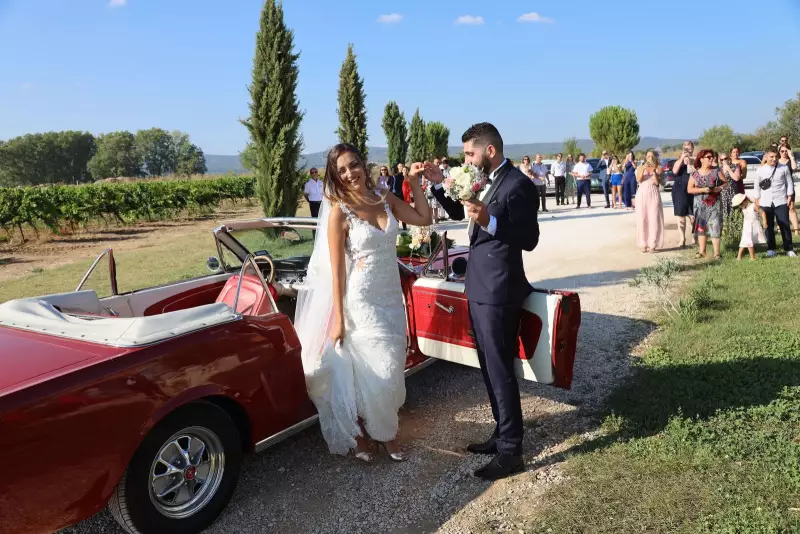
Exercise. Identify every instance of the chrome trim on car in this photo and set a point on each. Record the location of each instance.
(448, 309)
(283, 434)
(112, 271)
(420, 366)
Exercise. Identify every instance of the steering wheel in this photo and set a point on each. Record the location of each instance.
(268, 261)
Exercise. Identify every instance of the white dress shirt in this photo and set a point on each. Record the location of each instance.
(782, 186)
(559, 169)
(582, 168)
(539, 173)
(313, 190)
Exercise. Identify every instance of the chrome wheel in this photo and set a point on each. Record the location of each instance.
(186, 472)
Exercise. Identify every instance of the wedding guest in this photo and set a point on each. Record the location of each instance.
(569, 188)
(629, 183)
(583, 178)
(312, 192)
(397, 183)
(559, 171)
(616, 183)
(772, 193)
(682, 201)
(786, 158)
(752, 232)
(383, 179)
(733, 177)
(605, 177)
(525, 167)
(706, 184)
(649, 209)
(541, 180)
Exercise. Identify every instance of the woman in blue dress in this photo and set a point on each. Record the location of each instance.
(629, 180)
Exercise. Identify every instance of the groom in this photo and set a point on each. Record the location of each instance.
(502, 224)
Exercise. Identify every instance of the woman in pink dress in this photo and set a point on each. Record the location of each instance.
(649, 209)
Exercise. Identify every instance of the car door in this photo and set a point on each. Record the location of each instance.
(547, 338)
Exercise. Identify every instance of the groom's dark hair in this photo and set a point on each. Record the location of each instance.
(484, 133)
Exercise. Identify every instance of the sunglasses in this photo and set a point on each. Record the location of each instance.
(708, 156)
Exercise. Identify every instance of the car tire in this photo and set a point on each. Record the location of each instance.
(207, 439)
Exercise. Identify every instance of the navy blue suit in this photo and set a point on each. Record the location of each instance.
(496, 287)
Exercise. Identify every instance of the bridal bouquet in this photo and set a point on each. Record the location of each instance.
(464, 183)
(419, 242)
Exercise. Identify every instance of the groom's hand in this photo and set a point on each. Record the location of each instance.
(416, 169)
(476, 210)
(433, 173)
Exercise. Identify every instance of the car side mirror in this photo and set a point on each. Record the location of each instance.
(213, 264)
(459, 267)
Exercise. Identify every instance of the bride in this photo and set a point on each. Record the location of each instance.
(350, 314)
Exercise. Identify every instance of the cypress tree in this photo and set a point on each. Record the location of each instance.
(352, 109)
(396, 130)
(418, 139)
(274, 122)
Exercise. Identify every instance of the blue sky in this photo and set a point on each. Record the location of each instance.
(103, 65)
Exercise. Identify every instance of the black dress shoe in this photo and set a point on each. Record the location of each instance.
(489, 447)
(501, 466)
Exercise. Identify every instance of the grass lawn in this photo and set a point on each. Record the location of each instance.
(174, 259)
(706, 436)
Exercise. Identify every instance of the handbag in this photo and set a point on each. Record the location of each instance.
(766, 183)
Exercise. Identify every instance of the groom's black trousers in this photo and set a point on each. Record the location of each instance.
(496, 333)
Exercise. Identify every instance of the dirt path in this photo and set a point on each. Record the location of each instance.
(53, 251)
(298, 487)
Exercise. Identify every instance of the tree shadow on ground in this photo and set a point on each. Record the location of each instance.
(12, 261)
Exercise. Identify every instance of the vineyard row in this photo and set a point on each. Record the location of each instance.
(68, 206)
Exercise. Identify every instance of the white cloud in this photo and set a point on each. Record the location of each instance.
(534, 17)
(392, 18)
(117, 3)
(469, 19)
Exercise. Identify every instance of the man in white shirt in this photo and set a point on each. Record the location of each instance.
(583, 180)
(541, 180)
(559, 172)
(313, 192)
(445, 168)
(772, 192)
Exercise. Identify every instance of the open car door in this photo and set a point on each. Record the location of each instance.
(548, 330)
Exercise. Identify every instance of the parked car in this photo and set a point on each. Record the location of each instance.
(145, 402)
(597, 175)
(753, 163)
(669, 176)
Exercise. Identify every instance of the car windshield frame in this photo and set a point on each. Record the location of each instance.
(225, 235)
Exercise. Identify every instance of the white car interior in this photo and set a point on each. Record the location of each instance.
(77, 316)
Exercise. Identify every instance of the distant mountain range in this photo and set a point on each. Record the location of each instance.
(218, 164)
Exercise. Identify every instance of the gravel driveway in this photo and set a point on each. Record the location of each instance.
(298, 487)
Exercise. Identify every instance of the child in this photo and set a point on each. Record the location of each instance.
(752, 232)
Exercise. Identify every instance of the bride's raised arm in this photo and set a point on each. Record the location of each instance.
(420, 213)
(337, 233)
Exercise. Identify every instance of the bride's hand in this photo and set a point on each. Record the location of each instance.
(337, 331)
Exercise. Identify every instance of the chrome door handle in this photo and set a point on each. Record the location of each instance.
(448, 309)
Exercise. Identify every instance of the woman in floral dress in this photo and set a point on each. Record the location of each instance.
(706, 184)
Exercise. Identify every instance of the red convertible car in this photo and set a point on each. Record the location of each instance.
(146, 401)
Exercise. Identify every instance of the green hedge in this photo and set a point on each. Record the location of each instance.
(61, 206)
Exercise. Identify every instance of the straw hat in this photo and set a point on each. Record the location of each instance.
(738, 199)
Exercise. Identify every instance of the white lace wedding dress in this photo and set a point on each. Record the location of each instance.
(366, 374)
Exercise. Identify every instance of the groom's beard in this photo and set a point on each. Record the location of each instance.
(486, 165)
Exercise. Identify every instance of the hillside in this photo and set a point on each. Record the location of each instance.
(217, 164)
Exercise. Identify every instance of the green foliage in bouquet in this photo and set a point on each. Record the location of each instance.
(407, 248)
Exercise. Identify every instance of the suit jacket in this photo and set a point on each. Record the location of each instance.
(495, 273)
(397, 185)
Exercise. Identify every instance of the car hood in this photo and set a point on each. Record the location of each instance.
(28, 358)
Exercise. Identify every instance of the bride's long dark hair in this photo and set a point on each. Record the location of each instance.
(335, 189)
